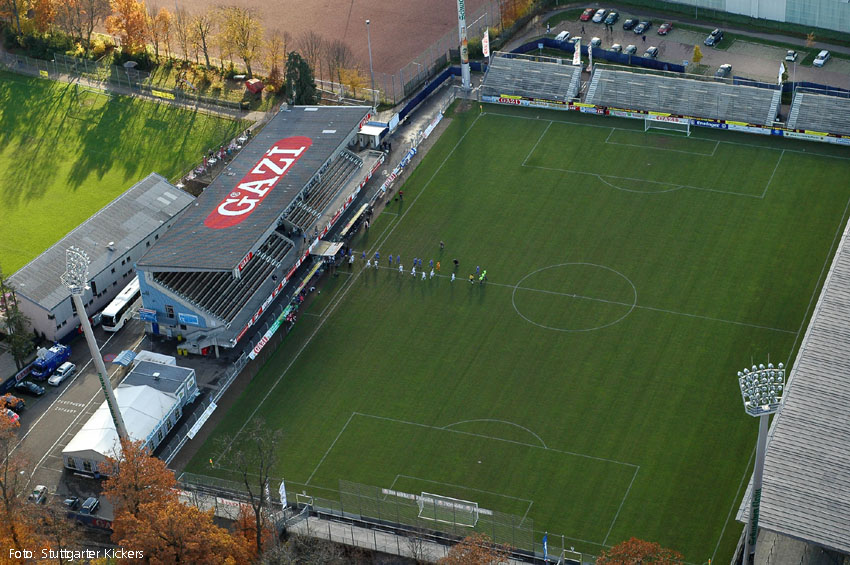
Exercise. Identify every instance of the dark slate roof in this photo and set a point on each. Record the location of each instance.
(806, 492)
(190, 245)
(126, 221)
(165, 378)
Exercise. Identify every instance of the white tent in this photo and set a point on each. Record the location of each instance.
(142, 407)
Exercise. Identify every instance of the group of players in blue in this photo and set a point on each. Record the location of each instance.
(479, 275)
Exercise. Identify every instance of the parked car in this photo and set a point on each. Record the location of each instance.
(563, 36)
(13, 416)
(665, 28)
(13, 402)
(64, 371)
(616, 48)
(723, 71)
(643, 27)
(822, 58)
(72, 502)
(90, 506)
(29, 388)
(599, 15)
(630, 50)
(714, 37)
(612, 18)
(629, 24)
(38, 495)
(595, 42)
(587, 14)
(651, 53)
(791, 55)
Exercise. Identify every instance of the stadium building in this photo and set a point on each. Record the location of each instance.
(113, 238)
(230, 255)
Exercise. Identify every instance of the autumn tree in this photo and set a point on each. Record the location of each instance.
(245, 529)
(202, 30)
(136, 478)
(635, 552)
(312, 47)
(300, 86)
(18, 519)
(60, 532)
(697, 55)
(43, 14)
(353, 79)
(173, 532)
(476, 549)
(810, 39)
(253, 454)
(242, 32)
(181, 30)
(275, 52)
(338, 56)
(158, 23)
(79, 18)
(12, 10)
(129, 21)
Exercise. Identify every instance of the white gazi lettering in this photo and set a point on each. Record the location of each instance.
(245, 205)
(271, 165)
(256, 186)
(277, 150)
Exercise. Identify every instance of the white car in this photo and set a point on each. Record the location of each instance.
(64, 371)
(600, 15)
(822, 58)
(38, 494)
(791, 55)
(616, 48)
(563, 36)
(595, 42)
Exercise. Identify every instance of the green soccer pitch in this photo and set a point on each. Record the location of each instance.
(590, 383)
(65, 152)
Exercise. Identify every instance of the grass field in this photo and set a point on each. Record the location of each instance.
(66, 152)
(589, 385)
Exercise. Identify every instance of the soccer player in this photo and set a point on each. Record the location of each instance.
(400, 268)
(431, 263)
(377, 256)
(368, 263)
(432, 274)
(364, 255)
(398, 259)
(423, 275)
(391, 259)
(453, 277)
(413, 271)
(438, 266)
(471, 278)
(477, 269)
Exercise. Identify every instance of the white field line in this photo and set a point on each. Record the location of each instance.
(609, 142)
(734, 503)
(322, 460)
(618, 303)
(498, 421)
(622, 502)
(543, 134)
(770, 180)
(339, 298)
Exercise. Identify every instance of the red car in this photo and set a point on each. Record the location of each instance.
(664, 28)
(587, 14)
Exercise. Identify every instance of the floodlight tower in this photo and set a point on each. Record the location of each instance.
(464, 44)
(76, 280)
(762, 389)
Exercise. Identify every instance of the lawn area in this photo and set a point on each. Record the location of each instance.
(67, 152)
(589, 386)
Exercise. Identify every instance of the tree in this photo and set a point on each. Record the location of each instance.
(636, 552)
(61, 533)
(12, 10)
(352, 79)
(252, 454)
(242, 31)
(182, 30)
(43, 14)
(697, 55)
(15, 324)
(245, 529)
(173, 532)
(312, 47)
(79, 18)
(18, 519)
(129, 21)
(300, 86)
(338, 56)
(810, 39)
(476, 549)
(275, 51)
(158, 24)
(136, 479)
(202, 26)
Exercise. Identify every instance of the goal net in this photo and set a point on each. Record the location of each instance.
(682, 125)
(447, 510)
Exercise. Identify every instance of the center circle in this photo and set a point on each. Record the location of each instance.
(574, 297)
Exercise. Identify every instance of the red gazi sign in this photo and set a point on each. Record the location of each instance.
(258, 183)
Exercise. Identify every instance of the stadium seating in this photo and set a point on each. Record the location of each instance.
(311, 203)
(657, 92)
(820, 112)
(222, 294)
(531, 79)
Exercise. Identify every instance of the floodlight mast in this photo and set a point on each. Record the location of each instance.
(762, 390)
(76, 280)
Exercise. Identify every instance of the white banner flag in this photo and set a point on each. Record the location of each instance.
(589, 57)
(485, 43)
(577, 54)
(282, 492)
(781, 71)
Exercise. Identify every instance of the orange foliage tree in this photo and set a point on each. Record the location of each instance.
(476, 549)
(79, 18)
(635, 551)
(246, 530)
(129, 21)
(43, 13)
(136, 478)
(18, 520)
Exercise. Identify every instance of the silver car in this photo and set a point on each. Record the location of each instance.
(64, 371)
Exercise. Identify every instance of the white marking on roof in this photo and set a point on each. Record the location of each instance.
(163, 200)
(170, 195)
(328, 131)
(310, 109)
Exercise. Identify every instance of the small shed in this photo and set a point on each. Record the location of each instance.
(370, 136)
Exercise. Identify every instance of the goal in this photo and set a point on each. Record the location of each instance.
(682, 125)
(447, 510)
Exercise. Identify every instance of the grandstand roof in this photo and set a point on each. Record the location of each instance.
(806, 492)
(125, 221)
(820, 112)
(698, 98)
(520, 76)
(192, 244)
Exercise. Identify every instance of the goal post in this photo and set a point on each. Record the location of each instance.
(447, 510)
(669, 123)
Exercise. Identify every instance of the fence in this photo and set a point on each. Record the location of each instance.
(101, 75)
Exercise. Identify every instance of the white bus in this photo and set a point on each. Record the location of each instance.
(121, 309)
